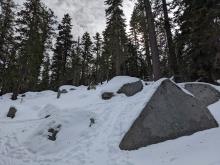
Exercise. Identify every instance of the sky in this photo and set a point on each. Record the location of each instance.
(87, 15)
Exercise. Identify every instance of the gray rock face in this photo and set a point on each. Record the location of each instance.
(107, 95)
(205, 93)
(131, 89)
(170, 113)
(11, 113)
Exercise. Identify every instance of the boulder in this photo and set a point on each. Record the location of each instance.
(130, 89)
(107, 95)
(64, 91)
(169, 114)
(12, 112)
(205, 93)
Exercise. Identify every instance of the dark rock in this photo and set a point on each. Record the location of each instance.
(47, 116)
(92, 122)
(23, 95)
(72, 89)
(53, 133)
(131, 89)
(170, 113)
(11, 113)
(107, 95)
(205, 93)
(63, 91)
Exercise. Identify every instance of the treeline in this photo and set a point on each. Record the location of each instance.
(179, 38)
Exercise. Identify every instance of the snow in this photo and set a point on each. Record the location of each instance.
(117, 82)
(24, 139)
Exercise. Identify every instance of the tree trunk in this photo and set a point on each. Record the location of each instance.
(172, 55)
(147, 49)
(153, 40)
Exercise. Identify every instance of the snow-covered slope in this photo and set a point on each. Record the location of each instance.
(23, 140)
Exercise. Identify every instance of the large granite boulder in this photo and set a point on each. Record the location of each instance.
(205, 93)
(130, 89)
(169, 114)
(12, 112)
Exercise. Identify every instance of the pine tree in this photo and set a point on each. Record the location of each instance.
(76, 62)
(133, 61)
(7, 46)
(140, 39)
(173, 69)
(97, 51)
(47, 36)
(199, 38)
(45, 82)
(153, 40)
(33, 36)
(86, 46)
(106, 60)
(62, 52)
(116, 41)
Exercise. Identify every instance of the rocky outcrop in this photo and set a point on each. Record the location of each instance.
(130, 89)
(169, 114)
(205, 93)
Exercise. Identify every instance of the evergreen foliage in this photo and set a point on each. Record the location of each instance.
(185, 44)
(62, 53)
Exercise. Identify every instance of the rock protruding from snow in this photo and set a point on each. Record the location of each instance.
(205, 93)
(12, 112)
(121, 84)
(130, 89)
(169, 114)
(53, 132)
(63, 91)
(107, 95)
(117, 82)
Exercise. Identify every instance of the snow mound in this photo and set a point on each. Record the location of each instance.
(73, 123)
(117, 82)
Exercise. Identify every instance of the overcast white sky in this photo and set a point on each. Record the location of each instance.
(87, 15)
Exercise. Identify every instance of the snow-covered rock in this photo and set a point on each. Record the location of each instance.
(170, 113)
(204, 92)
(117, 82)
(130, 89)
(121, 84)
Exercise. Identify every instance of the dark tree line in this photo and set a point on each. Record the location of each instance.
(180, 38)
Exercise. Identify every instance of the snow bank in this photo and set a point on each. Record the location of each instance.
(24, 140)
(74, 123)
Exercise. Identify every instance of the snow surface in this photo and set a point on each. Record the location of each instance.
(23, 140)
(117, 82)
